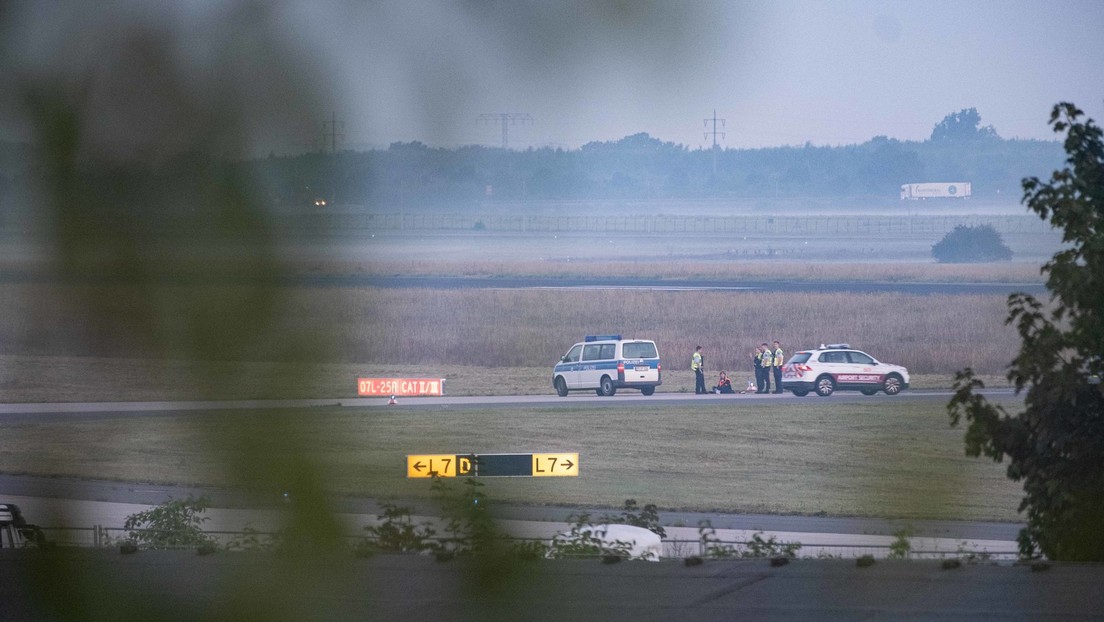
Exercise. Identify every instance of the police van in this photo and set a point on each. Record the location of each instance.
(605, 363)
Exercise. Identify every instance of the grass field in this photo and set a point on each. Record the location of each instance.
(87, 340)
(883, 459)
(934, 334)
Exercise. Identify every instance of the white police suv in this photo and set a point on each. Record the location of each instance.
(606, 363)
(838, 367)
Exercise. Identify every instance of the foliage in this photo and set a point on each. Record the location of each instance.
(646, 517)
(757, 547)
(972, 555)
(962, 126)
(396, 533)
(250, 539)
(468, 526)
(175, 523)
(965, 244)
(585, 539)
(711, 545)
(529, 550)
(901, 545)
(1055, 446)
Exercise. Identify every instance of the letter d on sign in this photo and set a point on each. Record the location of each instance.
(463, 465)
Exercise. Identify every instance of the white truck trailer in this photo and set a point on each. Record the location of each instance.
(940, 190)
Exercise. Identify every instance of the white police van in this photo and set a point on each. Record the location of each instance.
(606, 363)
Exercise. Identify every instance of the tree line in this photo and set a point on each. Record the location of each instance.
(637, 167)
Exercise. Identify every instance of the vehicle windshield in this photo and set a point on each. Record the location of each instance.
(799, 358)
(573, 355)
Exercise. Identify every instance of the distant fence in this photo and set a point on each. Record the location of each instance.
(782, 225)
(98, 536)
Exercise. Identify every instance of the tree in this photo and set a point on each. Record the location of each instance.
(962, 126)
(971, 245)
(1055, 446)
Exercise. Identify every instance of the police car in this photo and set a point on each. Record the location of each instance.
(838, 367)
(605, 363)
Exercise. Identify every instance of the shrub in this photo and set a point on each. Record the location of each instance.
(902, 544)
(971, 245)
(757, 547)
(173, 524)
(586, 540)
(396, 533)
(646, 517)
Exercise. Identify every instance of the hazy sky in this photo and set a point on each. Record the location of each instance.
(780, 72)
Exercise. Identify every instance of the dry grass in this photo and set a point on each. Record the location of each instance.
(532, 328)
(51, 351)
(842, 459)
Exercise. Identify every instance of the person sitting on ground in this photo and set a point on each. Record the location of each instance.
(724, 385)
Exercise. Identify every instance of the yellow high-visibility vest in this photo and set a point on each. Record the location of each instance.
(696, 361)
(778, 356)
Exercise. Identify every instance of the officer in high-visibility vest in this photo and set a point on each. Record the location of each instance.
(776, 366)
(765, 358)
(697, 363)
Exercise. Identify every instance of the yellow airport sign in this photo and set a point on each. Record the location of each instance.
(493, 465)
(556, 465)
(441, 465)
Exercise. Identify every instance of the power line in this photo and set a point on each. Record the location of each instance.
(330, 135)
(333, 136)
(714, 133)
(505, 119)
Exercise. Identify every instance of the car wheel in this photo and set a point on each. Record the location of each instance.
(800, 392)
(561, 387)
(607, 388)
(892, 384)
(825, 386)
(868, 391)
(647, 390)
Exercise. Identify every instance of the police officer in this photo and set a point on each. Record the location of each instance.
(765, 358)
(756, 365)
(697, 363)
(776, 366)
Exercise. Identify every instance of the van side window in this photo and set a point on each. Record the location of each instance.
(608, 351)
(592, 352)
(573, 355)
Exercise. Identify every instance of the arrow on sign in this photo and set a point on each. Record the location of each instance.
(418, 466)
